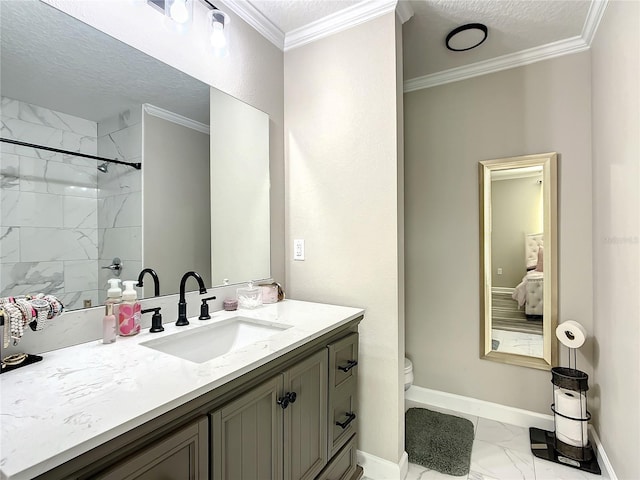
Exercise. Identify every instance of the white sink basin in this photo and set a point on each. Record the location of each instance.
(205, 343)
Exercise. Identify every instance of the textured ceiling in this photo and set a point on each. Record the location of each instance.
(289, 15)
(514, 25)
(53, 60)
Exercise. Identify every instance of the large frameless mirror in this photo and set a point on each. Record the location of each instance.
(518, 260)
(66, 222)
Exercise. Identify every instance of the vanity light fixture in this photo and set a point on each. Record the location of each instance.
(218, 22)
(466, 37)
(179, 13)
(179, 16)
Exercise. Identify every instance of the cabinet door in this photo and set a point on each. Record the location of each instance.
(182, 455)
(247, 435)
(305, 419)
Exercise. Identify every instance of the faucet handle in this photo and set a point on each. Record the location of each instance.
(204, 309)
(156, 319)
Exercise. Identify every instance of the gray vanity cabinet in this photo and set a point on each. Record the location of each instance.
(183, 455)
(269, 434)
(250, 428)
(247, 435)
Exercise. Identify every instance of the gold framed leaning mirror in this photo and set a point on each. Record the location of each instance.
(518, 260)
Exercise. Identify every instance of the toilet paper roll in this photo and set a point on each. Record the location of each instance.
(568, 431)
(571, 334)
(572, 404)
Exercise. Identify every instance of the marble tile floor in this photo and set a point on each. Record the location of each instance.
(518, 342)
(500, 452)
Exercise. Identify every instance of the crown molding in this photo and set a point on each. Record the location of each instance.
(404, 10)
(594, 15)
(525, 57)
(337, 22)
(563, 47)
(175, 118)
(247, 12)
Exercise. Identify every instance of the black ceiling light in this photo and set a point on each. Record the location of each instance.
(466, 37)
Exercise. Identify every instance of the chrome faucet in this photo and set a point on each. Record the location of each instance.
(182, 303)
(156, 280)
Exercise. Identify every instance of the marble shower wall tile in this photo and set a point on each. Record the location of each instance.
(9, 245)
(27, 209)
(26, 278)
(120, 179)
(48, 136)
(49, 204)
(122, 242)
(120, 210)
(58, 177)
(60, 244)
(120, 197)
(124, 144)
(80, 275)
(9, 171)
(44, 116)
(127, 118)
(80, 212)
(76, 300)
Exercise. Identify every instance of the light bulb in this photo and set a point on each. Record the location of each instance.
(179, 12)
(218, 40)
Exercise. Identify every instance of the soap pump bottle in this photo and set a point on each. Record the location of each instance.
(109, 325)
(130, 310)
(114, 296)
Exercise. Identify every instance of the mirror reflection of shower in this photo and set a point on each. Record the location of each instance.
(104, 168)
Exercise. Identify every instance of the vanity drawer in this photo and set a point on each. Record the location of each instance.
(343, 360)
(343, 388)
(343, 415)
(343, 465)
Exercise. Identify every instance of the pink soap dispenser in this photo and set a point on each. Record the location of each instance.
(129, 312)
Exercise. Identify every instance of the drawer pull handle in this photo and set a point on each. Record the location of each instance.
(350, 418)
(350, 364)
(286, 399)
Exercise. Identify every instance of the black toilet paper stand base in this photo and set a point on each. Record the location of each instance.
(543, 446)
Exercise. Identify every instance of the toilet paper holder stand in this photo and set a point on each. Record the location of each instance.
(546, 445)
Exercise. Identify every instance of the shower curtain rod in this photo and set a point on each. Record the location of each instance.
(137, 166)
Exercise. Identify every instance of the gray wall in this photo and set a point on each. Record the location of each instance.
(176, 207)
(449, 128)
(343, 176)
(616, 182)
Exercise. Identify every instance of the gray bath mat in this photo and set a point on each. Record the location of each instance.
(438, 441)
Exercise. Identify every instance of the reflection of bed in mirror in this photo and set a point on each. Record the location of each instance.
(529, 292)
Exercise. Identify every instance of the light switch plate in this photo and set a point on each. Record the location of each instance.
(298, 249)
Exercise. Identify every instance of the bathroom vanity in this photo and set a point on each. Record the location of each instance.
(282, 407)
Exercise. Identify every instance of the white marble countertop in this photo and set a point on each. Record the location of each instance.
(82, 396)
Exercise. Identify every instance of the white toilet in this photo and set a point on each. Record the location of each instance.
(408, 373)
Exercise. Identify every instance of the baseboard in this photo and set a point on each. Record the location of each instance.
(603, 460)
(376, 468)
(501, 413)
(480, 408)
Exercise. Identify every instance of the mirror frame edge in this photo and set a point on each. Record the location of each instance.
(550, 201)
